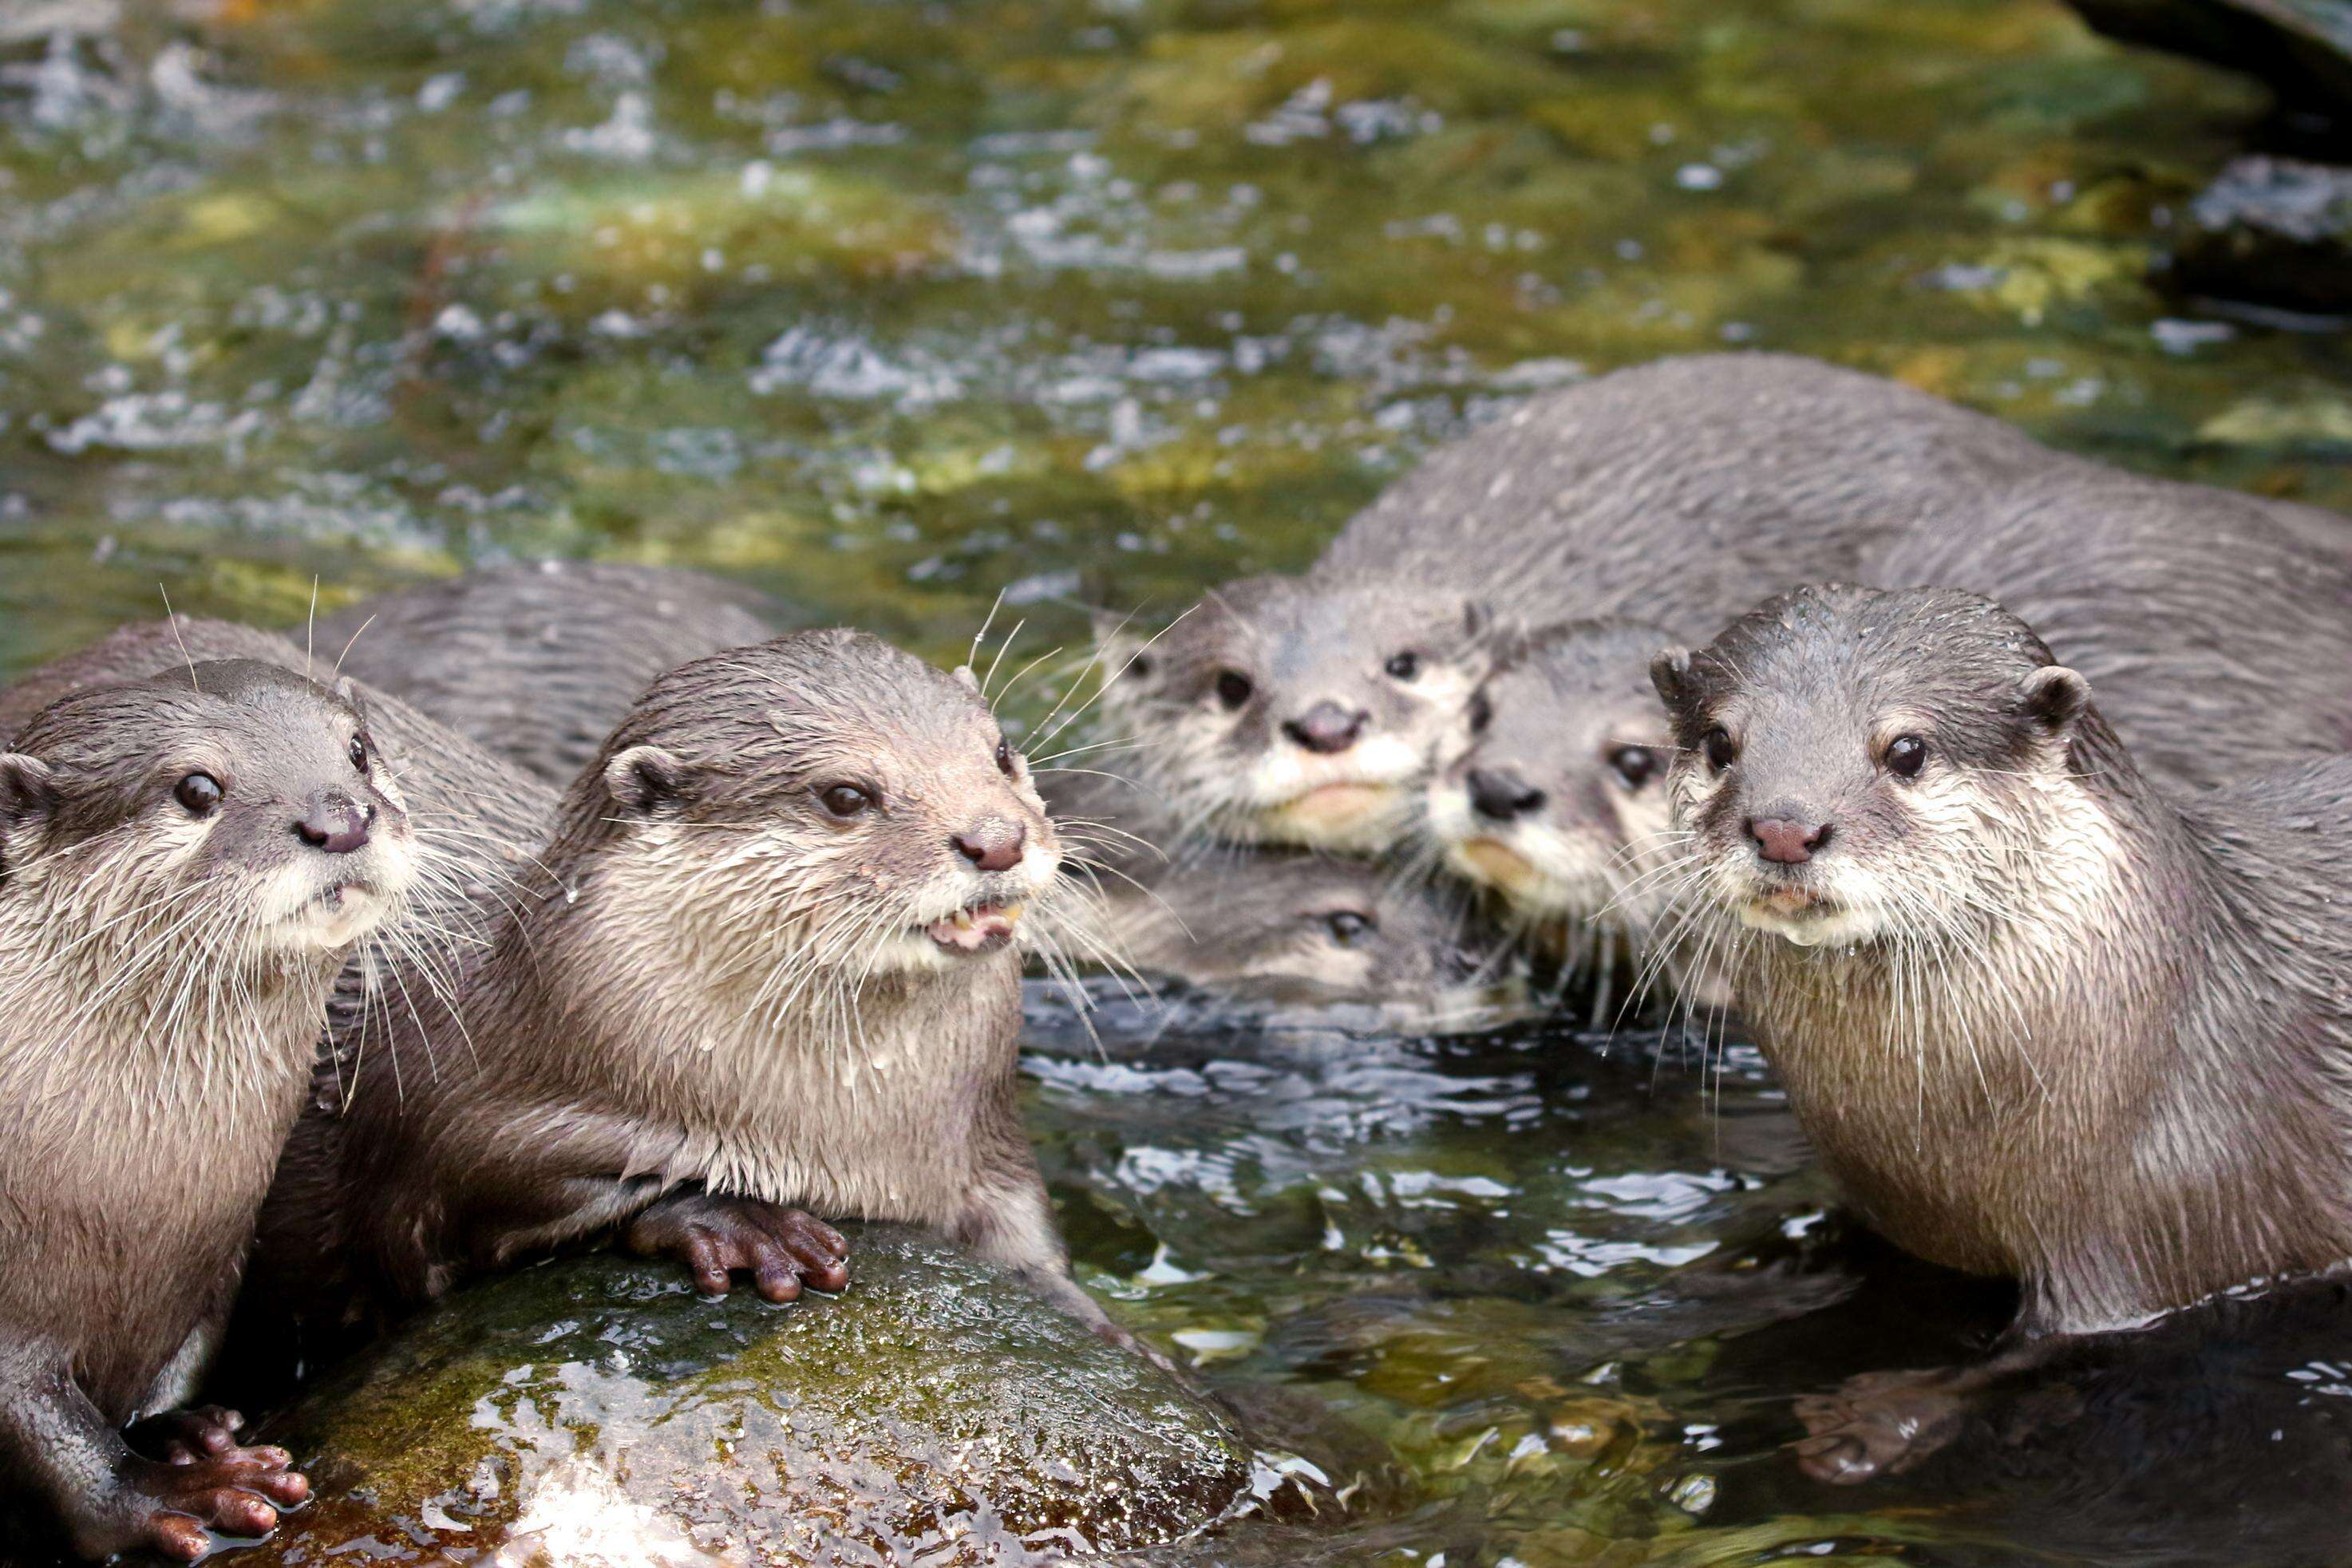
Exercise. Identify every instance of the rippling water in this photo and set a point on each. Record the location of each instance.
(893, 309)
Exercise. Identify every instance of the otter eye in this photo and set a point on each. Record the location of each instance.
(846, 800)
(1722, 751)
(200, 793)
(1005, 757)
(1406, 667)
(1636, 765)
(1906, 754)
(1139, 667)
(1345, 926)
(1234, 688)
(360, 752)
(1482, 713)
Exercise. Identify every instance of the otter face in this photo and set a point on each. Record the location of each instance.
(1278, 712)
(230, 801)
(1559, 804)
(823, 801)
(1861, 766)
(1302, 926)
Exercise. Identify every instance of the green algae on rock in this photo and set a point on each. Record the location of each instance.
(597, 1412)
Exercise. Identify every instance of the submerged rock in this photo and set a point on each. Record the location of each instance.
(598, 1414)
(2275, 231)
(2303, 48)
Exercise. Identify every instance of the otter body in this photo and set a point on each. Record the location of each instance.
(2040, 1017)
(538, 662)
(2218, 637)
(764, 958)
(184, 861)
(1311, 710)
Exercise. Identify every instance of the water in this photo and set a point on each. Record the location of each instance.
(893, 309)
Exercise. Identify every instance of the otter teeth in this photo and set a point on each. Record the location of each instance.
(976, 927)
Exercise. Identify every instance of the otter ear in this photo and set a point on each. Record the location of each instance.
(966, 679)
(1670, 671)
(645, 776)
(2056, 696)
(27, 788)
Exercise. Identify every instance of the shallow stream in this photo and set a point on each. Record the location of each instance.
(894, 308)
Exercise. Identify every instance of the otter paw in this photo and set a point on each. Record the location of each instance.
(718, 1238)
(175, 1508)
(1882, 1423)
(199, 1432)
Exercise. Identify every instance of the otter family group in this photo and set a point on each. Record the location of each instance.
(1998, 793)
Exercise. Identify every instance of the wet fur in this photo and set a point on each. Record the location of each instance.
(2098, 1037)
(537, 663)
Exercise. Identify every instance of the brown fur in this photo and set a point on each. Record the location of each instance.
(2039, 1018)
(710, 984)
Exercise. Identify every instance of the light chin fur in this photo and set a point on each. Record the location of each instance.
(1538, 872)
(1843, 927)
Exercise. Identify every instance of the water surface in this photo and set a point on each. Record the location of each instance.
(894, 308)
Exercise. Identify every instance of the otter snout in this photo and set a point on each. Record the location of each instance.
(1788, 835)
(1327, 728)
(335, 825)
(992, 846)
(1500, 795)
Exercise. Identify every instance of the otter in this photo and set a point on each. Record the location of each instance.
(1555, 804)
(184, 862)
(538, 662)
(1311, 710)
(2043, 1018)
(1300, 928)
(768, 957)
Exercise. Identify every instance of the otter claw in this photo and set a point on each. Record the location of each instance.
(718, 1238)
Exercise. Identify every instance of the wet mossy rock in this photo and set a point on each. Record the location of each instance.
(596, 1413)
(2303, 48)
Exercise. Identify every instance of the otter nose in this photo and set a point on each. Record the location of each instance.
(1501, 795)
(334, 823)
(1787, 840)
(992, 846)
(1327, 728)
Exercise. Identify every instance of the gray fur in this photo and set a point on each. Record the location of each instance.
(538, 662)
(1557, 800)
(2218, 637)
(2040, 1017)
(163, 979)
(1674, 493)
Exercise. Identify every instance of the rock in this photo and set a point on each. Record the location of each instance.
(596, 1413)
(2275, 231)
(2303, 48)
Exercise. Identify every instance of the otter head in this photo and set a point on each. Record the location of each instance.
(233, 804)
(1304, 926)
(1859, 765)
(1279, 711)
(821, 802)
(1559, 804)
